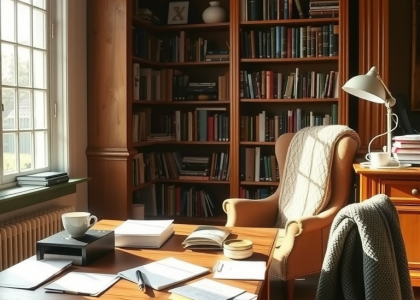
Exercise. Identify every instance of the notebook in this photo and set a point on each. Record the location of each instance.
(82, 283)
(31, 273)
(164, 273)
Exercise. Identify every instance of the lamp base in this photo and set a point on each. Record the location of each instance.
(393, 162)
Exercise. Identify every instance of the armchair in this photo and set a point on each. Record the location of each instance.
(315, 178)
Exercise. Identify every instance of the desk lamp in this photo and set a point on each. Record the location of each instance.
(372, 88)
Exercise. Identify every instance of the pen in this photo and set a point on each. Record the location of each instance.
(140, 281)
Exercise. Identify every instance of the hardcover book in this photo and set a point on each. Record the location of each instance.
(143, 233)
(42, 176)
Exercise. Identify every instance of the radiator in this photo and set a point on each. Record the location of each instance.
(18, 236)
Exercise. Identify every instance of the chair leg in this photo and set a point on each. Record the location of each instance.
(290, 286)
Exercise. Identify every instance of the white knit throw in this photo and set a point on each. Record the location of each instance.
(306, 180)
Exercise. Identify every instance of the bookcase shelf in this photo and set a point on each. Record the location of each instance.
(113, 50)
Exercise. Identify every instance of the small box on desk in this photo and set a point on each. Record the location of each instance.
(81, 251)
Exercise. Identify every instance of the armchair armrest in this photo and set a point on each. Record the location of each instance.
(251, 213)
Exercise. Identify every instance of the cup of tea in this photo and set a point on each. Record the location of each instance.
(77, 223)
(378, 159)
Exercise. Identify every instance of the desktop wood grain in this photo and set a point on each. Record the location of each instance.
(122, 259)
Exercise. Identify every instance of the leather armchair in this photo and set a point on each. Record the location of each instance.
(301, 245)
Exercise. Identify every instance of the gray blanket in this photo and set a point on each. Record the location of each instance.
(366, 257)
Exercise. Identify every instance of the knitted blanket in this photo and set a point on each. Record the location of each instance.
(365, 257)
(306, 180)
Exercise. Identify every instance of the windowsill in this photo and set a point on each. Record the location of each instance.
(23, 196)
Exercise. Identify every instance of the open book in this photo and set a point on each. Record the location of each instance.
(206, 237)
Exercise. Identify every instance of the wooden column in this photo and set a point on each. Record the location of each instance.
(373, 51)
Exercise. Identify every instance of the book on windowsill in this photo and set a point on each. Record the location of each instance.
(48, 182)
(206, 237)
(143, 233)
(43, 176)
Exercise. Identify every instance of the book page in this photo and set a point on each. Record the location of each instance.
(207, 235)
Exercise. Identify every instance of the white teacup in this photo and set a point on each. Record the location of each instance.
(77, 223)
(378, 159)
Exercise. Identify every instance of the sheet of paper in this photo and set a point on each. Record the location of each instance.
(83, 283)
(143, 227)
(31, 272)
(246, 296)
(207, 289)
(240, 269)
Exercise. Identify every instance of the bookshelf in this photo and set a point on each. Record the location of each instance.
(160, 123)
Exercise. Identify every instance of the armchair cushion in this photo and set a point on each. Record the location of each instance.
(306, 185)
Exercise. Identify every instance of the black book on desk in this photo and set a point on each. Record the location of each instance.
(82, 251)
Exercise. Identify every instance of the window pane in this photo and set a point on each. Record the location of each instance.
(9, 153)
(7, 18)
(24, 67)
(40, 110)
(41, 149)
(40, 64)
(39, 3)
(25, 151)
(39, 40)
(25, 1)
(8, 66)
(9, 114)
(24, 25)
(25, 115)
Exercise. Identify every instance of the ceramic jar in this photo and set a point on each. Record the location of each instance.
(214, 13)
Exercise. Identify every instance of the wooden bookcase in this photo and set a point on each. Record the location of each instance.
(111, 104)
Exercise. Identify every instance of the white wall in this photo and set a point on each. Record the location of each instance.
(77, 101)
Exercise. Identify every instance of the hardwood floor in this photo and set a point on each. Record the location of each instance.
(305, 289)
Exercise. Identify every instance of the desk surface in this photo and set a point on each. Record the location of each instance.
(122, 259)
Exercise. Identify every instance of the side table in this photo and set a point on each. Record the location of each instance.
(403, 187)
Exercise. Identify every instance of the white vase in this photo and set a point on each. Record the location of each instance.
(214, 13)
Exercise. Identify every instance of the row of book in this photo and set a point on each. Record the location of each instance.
(172, 165)
(254, 10)
(256, 193)
(173, 85)
(290, 42)
(256, 167)
(203, 124)
(267, 128)
(173, 200)
(268, 84)
(176, 47)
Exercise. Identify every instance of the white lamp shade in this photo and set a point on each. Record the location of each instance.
(367, 87)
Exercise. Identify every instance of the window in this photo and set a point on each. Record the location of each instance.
(25, 88)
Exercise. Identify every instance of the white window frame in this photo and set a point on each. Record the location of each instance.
(58, 89)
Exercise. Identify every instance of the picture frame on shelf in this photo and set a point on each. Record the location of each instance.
(178, 12)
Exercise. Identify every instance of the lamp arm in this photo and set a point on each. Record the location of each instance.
(390, 100)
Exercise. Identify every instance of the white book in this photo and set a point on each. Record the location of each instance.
(31, 273)
(164, 273)
(81, 283)
(143, 233)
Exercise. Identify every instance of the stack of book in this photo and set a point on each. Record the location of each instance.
(202, 91)
(43, 179)
(147, 16)
(195, 168)
(323, 8)
(406, 148)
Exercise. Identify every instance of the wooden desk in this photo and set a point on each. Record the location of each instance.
(403, 187)
(122, 259)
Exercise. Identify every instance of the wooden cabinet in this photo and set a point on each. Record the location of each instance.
(403, 187)
(112, 53)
